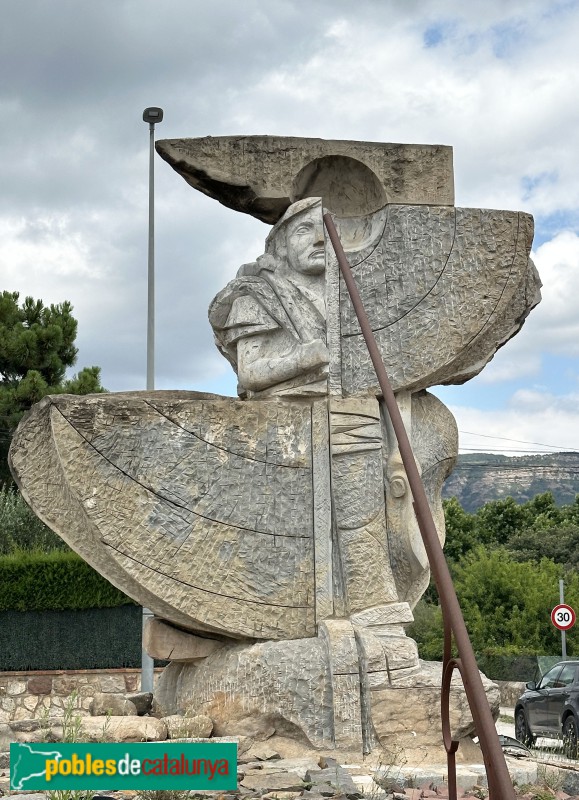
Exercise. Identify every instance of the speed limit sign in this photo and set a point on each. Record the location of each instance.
(563, 617)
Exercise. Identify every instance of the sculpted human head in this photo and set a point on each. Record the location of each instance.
(297, 240)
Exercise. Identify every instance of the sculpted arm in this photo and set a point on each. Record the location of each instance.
(264, 360)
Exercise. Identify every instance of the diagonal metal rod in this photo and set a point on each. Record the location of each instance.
(499, 781)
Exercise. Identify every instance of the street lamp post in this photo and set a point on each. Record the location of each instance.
(150, 115)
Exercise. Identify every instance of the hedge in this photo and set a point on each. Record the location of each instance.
(97, 638)
(514, 667)
(53, 582)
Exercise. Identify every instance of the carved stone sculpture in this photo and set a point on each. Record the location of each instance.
(278, 529)
(263, 175)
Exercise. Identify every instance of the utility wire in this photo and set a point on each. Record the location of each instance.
(519, 441)
(499, 450)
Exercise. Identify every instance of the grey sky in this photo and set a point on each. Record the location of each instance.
(495, 79)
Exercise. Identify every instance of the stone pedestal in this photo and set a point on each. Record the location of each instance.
(348, 689)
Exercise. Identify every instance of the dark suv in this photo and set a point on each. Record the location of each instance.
(550, 708)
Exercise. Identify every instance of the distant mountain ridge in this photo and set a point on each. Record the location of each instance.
(482, 477)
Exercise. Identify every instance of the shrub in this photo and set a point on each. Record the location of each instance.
(21, 529)
(53, 581)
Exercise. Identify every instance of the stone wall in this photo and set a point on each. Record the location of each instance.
(30, 695)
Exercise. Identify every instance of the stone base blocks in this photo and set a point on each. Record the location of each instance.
(348, 689)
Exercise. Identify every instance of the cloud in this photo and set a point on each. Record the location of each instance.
(531, 416)
(494, 79)
(381, 82)
(556, 321)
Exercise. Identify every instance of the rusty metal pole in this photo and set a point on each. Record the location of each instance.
(499, 781)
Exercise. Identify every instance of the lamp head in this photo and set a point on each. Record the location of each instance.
(153, 115)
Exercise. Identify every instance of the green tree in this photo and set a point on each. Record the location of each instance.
(496, 522)
(507, 604)
(427, 630)
(36, 349)
(571, 512)
(560, 543)
(460, 530)
(544, 510)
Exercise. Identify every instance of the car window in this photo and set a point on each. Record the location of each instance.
(549, 680)
(567, 675)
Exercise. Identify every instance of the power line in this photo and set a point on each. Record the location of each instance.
(514, 450)
(488, 466)
(520, 441)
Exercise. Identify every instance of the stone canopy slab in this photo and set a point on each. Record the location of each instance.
(263, 175)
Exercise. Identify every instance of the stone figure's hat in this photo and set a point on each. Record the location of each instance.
(263, 175)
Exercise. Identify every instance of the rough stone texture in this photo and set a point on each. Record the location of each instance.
(261, 752)
(434, 438)
(333, 778)
(268, 571)
(280, 781)
(114, 704)
(27, 796)
(397, 721)
(287, 517)
(34, 730)
(166, 642)
(359, 511)
(14, 687)
(199, 726)
(270, 321)
(29, 725)
(443, 288)
(215, 527)
(5, 736)
(123, 729)
(85, 684)
(340, 641)
(323, 522)
(40, 685)
(112, 683)
(479, 479)
(262, 175)
(142, 701)
(510, 692)
(252, 690)
(570, 783)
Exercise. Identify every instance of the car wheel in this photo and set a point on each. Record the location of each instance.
(522, 732)
(570, 737)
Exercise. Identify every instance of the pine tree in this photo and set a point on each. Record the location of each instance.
(36, 349)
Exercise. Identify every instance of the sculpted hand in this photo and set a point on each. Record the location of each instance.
(313, 354)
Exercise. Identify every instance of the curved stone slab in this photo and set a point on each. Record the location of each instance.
(443, 288)
(263, 175)
(196, 506)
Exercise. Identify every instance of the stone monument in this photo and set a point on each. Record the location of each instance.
(273, 536)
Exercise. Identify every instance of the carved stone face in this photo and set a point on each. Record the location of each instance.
(305, 242)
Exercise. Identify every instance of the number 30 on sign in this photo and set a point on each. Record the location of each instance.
(563, 617)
